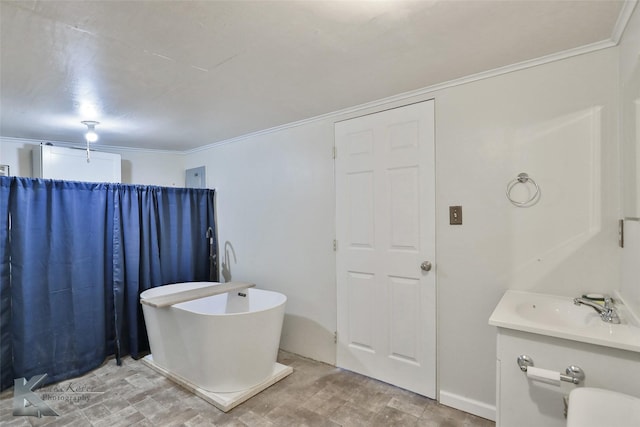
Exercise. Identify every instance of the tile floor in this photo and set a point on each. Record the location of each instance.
(315, 394)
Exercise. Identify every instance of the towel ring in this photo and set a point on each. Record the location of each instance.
(523, 178)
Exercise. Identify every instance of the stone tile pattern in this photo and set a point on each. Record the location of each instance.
(316, 394)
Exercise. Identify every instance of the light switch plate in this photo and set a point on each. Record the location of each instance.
(455, 215)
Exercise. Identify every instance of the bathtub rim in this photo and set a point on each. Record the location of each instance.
(242, 313)
(180, 305)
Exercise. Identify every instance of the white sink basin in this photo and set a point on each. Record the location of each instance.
(595, 407)
(556, 312)
(558, 316)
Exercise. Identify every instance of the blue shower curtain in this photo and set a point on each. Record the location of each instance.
(6, 374)
(159, 237)
(59, 291)
(75, 260)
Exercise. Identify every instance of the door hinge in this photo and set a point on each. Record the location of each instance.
(621, 233)
(335, 337)
(335, 152)
(335, 245)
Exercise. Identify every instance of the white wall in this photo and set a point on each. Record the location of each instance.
(17, 154)
(138, 167)
(555, 121)
(630, 107)
(152, 168)
(275, 207)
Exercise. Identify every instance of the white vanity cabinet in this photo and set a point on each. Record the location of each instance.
(556, 334)
(523, 402)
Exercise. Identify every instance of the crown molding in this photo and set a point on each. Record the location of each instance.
(423, 92)
(618, 30)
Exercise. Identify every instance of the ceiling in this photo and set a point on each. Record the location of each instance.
(177, 75)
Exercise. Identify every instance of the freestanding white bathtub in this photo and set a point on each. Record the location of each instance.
(222, 343)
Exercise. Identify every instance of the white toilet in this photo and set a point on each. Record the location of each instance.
(596, 407)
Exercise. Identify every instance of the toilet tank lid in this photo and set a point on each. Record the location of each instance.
(591, 407)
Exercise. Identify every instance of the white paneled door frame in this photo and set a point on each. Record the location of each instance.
(385, 225)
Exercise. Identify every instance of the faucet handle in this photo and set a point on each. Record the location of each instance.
(604, 298)
(608, 301)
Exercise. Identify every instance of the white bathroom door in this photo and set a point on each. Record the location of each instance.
(385, 226)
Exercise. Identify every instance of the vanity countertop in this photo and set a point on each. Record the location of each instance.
(557, 316)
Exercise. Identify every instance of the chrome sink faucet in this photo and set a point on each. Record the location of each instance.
(607, 312)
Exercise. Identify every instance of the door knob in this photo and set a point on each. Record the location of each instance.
(425, 266)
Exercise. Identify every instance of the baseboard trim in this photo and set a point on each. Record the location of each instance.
(468, 405)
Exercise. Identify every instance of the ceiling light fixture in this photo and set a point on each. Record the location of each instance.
(90, 135)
